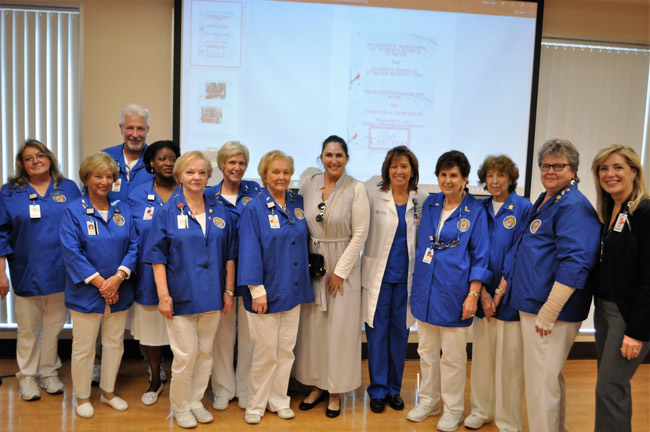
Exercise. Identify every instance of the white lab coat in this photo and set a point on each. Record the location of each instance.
(383, 225)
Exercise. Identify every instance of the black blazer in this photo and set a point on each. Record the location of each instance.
(624, 271)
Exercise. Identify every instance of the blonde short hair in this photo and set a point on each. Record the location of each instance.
(96, 163)
(230, 149)
(270, 157)
(185, 159)
(604, 202)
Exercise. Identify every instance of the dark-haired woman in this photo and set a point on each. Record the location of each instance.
(451, 263)
(622, 315)
(145, 200)
(328, 351)
(497, 379)
(31, 206)
(386, 274)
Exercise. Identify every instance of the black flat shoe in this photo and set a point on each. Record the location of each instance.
(378, 405)
(332, 413)
(395, 401)
(306, 406)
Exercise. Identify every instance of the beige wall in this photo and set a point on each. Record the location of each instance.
(127, 54)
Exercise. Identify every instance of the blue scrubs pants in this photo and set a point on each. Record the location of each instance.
(387, 341)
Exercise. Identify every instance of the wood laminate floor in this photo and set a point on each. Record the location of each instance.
(56, 413)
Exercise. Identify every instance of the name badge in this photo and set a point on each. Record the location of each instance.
(181, 220)
(92, 228)
(117, 185)
(274, 222)
(428, 256)
(35, 211)
(620, 222)
(148, 213)
(151, 197)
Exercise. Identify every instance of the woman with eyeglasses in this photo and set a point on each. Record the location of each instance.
(545, 279)
(497, 377)
(145, 201)
(387, 272)
(328, 351)
(451, 264)
(273, 263)
(622, 293)
(31, 206)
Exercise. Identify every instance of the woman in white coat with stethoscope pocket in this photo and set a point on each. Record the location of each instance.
(386, 274)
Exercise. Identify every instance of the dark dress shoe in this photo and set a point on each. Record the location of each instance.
(306, 406)
(378, 405)
(395, 401)
(332, 413)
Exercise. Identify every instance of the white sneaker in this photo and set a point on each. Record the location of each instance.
(85, 410)
(422, 411)
(185, 419)
(474, 421)
(97, 375)
(253, 418)
(220, 403)
(242, 402)
(449, 422)
(286, 413)
(201, 414)
(29, 390)
(163, 374)
(52, 384)
(117, 403)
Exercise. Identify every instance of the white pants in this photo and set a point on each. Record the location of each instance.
(39, 317)
(442, 375)
(497, 379)
(543, 361)
(228, 381)
(191, 338)
(85, 327)
(274, 336)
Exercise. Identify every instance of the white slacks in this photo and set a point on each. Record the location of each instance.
(228, 381)
(40, 320)
(191, 338)
(442, 375)
(274, 337)
(497, 379)
(85, 327)
(543, 361)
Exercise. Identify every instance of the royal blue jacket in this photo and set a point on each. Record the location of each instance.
(138, 175)
(503, 228)
(441, 286)
(195, 263)
(277, 258)
(560, 242)
(247, 191)
(115, 245)
(144, 203)
(28, 243)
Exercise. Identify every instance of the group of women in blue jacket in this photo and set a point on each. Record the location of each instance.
(191, 257)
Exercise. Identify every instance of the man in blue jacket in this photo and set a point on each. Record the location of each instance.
(134, 126)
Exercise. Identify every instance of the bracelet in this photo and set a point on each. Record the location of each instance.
(498, 292)
(473, 293)
(230, 293)
(120, 276)
(167, 300)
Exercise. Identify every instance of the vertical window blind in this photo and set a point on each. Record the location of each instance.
(39, 91)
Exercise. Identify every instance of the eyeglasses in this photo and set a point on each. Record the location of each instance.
(30, 159)
(452, 244)
(556, 167)
(321, 212)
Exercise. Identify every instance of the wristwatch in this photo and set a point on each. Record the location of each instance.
(473, 293)
(230, 293)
